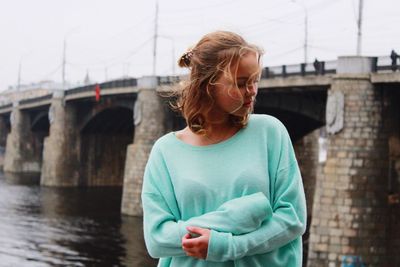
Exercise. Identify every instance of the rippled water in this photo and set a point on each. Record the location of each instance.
(46, 226)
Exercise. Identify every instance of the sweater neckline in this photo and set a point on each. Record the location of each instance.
(223, 143)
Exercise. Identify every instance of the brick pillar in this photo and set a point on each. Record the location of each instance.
(350, 204)
(150, 124)
(307, 156)
(61, 151)
(22, 154)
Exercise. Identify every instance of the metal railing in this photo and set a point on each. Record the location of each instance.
(165, 80)
(381, 64)
(6, 106)
(106, 85)
(36, 99)
(303, 69)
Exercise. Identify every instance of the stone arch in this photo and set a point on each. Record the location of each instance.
(40, 122)
(103, 142)
(97, 110)
(301, 112)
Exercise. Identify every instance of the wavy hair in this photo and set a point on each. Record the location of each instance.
(214, 55)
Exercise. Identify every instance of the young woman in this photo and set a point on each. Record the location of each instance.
(226, 190)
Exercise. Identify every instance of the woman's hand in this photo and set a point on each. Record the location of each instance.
(195, 243)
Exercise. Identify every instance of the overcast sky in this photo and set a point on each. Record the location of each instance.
(112, 39)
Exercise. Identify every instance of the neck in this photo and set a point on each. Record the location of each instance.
(216, 134)
(220, 131)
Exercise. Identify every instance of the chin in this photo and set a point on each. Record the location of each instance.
(241, 113)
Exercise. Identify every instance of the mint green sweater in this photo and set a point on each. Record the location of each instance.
(246, 189)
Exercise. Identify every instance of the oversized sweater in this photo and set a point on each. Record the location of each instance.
(247, 190)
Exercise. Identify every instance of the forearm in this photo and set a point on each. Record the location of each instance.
(286, 224)
(237, 216)
(273, 234)
(161, 231)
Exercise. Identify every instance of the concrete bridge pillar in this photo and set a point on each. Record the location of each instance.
(350, 205)
(61, 153)
(150, 124)
(23, 151)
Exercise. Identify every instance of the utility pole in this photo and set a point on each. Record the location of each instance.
(63, 64)
(64, 59)
(19, 75)
(359, 24)
(155, 41)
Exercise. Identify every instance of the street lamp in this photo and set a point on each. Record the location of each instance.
(305, 29)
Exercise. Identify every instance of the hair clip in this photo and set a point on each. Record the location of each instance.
(187, 56)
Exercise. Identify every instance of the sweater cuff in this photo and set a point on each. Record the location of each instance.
(217, 246)
(182, 229)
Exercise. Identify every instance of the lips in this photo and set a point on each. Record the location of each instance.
(248, 103)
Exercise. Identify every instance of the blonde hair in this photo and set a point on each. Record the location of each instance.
(214, 55)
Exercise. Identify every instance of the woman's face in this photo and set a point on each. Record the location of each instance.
(237, 96)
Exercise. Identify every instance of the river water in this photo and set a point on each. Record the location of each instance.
(46, 226)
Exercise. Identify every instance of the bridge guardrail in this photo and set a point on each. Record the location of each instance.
(36, 99)
(387, 63)
(382, 64)
(6, 106)
(165, 80)
(106, 85)
(315, 68)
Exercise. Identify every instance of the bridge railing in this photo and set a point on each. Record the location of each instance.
(36, 99)
(315, 68)
(5, 106)
(381, 64)
(387, 63)
(165, 80)
(106, 85)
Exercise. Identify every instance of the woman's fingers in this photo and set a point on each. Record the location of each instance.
(196, 246)
(196, 230)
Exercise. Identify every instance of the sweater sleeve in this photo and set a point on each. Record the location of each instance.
(237, 216)
(288, 220)
(163, 228)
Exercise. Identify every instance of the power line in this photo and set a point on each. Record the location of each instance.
(286, 53)
(51, 73)
(116, 60)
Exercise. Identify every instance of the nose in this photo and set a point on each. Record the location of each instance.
(251, 89)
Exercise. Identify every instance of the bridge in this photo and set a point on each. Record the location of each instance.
(69, 138)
